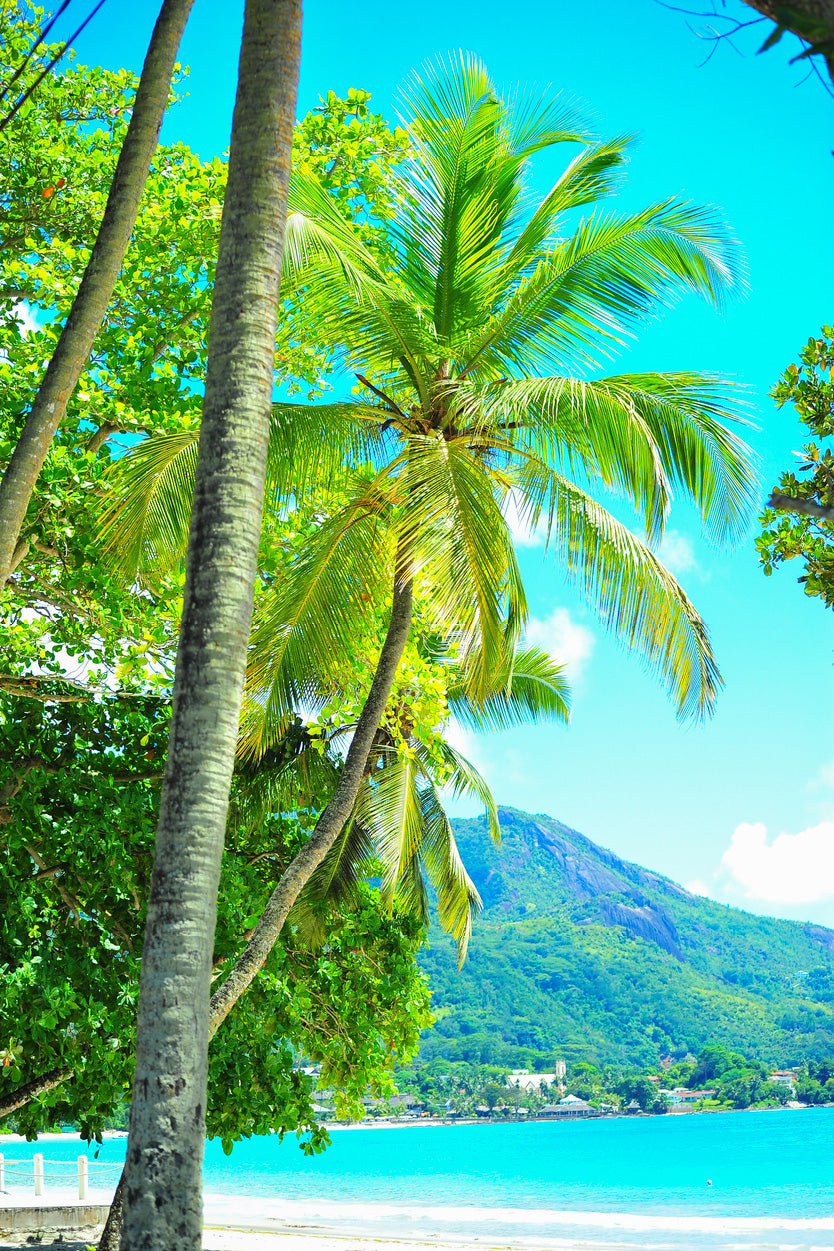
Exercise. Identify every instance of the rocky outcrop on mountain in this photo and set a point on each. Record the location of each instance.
(650, 923)
(820, 935)
(538, 850)
(582, 954)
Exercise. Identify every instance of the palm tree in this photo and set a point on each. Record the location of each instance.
(163, 1171)
(475, 356)
(95, 292)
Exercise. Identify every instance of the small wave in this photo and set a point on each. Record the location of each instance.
(308, 1211)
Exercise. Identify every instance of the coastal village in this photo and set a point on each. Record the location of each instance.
(531, 1096)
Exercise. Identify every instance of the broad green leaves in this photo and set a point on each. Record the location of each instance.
(789, 533)
(79, 786)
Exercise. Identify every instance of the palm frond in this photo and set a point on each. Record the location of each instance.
(398, 825)
(461, 546)
(568, 422)
(529, 687)
(458, 901)
(685, 415)
(310, 446)
(333, 885)
(591, 175)
(591, 291)
(290, 775)
(307, 630)
(543, 120)
(319, 240)
(462, 779)
(634, 594)
(388, 806)
(144, 525)
(357, 306)
(460, 194)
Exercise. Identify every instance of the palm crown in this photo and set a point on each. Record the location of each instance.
(473, 353)
(475, 337)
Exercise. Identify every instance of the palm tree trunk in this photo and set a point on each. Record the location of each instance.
(163, 1197)
(111, 1235)
(39, 1086)
(331, 821)
(90, 304)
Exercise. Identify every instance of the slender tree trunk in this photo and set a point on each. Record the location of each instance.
(163, 1199)
(331, 821)
(39, 1086)
(111, 1235)
(90, 304)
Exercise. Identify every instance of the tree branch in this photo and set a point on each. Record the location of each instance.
(28, 686)
(39, 1086)
(70, 900)
(18, 554)
(73, 902)
(101, 435)
(791, 504)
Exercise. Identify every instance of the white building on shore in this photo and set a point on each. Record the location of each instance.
(525, 1080)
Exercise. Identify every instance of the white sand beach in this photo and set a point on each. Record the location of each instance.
(260, 1240)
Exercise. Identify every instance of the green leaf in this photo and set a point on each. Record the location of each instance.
(772, 39)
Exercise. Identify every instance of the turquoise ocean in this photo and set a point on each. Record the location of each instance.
(607, 1184)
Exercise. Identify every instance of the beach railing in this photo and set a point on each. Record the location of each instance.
(60, 1173)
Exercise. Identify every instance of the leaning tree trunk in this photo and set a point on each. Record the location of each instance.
(163, 1199)
(90, 304)
(111, 1235)
(332, 819)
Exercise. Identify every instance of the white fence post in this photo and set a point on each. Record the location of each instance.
(38, 1162)
(82, 1177)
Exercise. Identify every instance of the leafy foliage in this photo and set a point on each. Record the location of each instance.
(79, 786)
(464, 1087)
(792, 536)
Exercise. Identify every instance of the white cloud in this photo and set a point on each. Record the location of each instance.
(461, 739)
(824, 777)
(522, 534)
(793, 869)
(567, 641)
(677, 553)
(697, 887)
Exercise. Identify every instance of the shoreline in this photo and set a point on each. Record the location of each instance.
(434, 1122)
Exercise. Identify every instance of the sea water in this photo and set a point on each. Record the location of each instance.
(740, 1180)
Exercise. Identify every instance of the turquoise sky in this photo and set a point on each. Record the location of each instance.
(741, 132)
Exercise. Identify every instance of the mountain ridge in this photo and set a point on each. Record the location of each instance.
(583, 953)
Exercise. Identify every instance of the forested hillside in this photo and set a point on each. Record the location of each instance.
(582, 955)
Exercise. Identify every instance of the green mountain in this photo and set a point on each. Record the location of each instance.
(581, 955)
